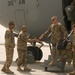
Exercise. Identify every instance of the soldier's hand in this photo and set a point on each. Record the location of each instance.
(73, 50)
(41, 37)
(36, 40)
(65, 38)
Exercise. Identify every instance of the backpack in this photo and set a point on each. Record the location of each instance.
(62, 44)
(70, 11)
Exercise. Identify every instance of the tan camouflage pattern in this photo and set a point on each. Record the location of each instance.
(22, 48)
(74, 49)
(9, 46)
(9, 39)
(58, 32)
(22, 41)
(9, 57)
(73, 39)
(22, 57)
(74, 60)
(67, 53)
(73, 55)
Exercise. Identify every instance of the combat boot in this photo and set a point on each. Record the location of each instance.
(27, 69)
(3, 69)
(51, 63)
(19, 68)
(72, 73)
(9, 71)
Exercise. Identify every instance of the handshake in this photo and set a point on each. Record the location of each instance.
(37, 40)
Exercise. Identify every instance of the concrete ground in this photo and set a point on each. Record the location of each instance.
(37, 68)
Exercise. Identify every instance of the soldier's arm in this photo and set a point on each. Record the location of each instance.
(8, 37)
(22, 37)
(45, 33)
(30, 40)
(7, 34)
(33, 40)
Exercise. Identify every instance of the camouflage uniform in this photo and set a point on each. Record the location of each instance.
(22, 48)
(58, 32)
(73, 45)
(67, 53)
(9, 46)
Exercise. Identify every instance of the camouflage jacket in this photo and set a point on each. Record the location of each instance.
(58, 32)
(22, 40)
(73, 44)
(9, 39)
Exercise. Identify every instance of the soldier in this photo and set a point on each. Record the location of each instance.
(22, 48)
(73, 49)
(9, 46)
(58, 32)
(66, 53)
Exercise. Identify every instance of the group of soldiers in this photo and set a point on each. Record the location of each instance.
(21, 48)
(58, 33)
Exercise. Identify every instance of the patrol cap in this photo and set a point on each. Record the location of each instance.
(11, 23)
(24, 26)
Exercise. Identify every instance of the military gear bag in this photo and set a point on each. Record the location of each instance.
(62, 44)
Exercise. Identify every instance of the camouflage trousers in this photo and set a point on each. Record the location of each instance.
(9, 57)
(74, 60)
(54, 50)
(22, 57)
(66, 53)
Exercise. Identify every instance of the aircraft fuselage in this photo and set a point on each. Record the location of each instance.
(36, 14)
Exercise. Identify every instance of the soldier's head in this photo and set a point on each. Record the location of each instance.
(54, 19)
(11, 24)
(24, 28)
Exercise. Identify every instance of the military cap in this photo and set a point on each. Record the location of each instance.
(24, 26)
(11, 23)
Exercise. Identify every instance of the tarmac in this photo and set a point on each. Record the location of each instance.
(37, 68)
